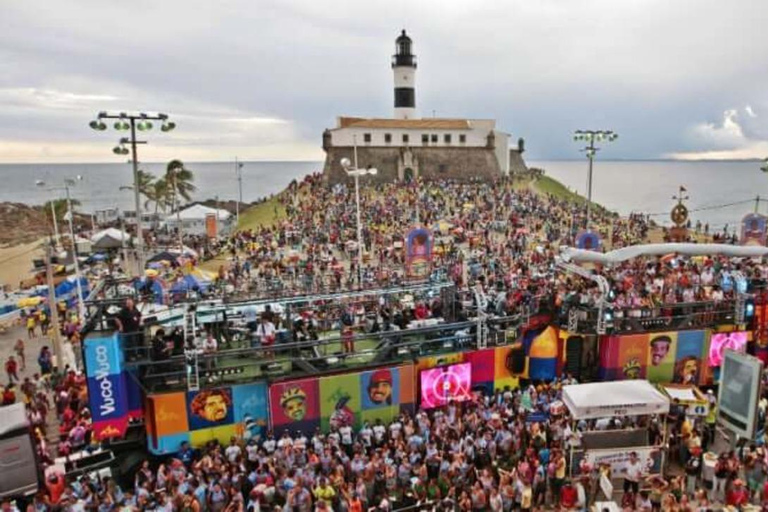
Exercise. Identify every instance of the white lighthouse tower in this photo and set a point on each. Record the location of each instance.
(404, 69)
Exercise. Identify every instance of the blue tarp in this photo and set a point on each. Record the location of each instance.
(189, 283)
(151, 286)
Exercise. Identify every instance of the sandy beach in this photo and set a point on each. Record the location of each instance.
(16, 263)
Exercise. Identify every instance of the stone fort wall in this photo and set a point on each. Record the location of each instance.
(429, 163)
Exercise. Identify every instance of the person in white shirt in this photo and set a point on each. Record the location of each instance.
(210, 346)
(265, 333)
(233, 451)
(634, 473)
(379, 431)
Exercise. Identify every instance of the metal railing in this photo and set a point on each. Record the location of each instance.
(678, 316)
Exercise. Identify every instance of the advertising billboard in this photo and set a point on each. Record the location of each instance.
(740, 379)
(440, 386)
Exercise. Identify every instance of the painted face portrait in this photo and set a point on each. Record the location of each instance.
(659, 349)
(687, 370)
(294, 403)
(295, 409)
(380, 387)
(211, 406)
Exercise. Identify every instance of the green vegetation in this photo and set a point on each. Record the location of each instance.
(263, 214)
(547, 185)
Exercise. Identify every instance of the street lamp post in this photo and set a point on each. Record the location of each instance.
(70, 182)
(356, 172)
(41, 183)
(132, 121)
(592, 136)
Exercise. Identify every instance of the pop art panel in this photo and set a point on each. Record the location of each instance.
(662, 352)
(340, 401)
(250, 401)
(294, 402)
(633, 354)
(483, 361)
(502, 376)
(691, 345)
(380, 388)
(210, 408)
(407, 384)
(170, 414)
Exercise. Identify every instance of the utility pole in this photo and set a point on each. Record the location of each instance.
(757, 203)
(53, 306)
(239, 172)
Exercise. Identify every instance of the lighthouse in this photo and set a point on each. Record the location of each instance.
(404, 70)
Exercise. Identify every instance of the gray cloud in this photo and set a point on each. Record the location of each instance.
(265, 77)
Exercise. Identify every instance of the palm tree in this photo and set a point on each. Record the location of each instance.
(179, 181)
(159, 195)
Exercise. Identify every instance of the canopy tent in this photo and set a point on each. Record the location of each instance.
(110, 238)
(164, 256)
(634, 251)
(618, 398)
(198, 212)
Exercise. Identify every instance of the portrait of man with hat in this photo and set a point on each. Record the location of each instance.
(380, 387)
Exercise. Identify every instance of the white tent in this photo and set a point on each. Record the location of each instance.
(194, 220)
(618, 398)
(110, 238)
(199, 212)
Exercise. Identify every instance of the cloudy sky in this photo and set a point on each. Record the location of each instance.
(261, 79)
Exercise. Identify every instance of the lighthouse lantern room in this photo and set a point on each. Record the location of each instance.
(404, 69)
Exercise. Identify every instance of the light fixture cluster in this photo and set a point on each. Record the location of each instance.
(123, 121)
(595, 135)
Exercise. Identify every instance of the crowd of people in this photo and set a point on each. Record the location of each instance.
(502, 452)
(509, 451)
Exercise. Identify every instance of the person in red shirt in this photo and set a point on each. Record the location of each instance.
(568, 496)
(738, 495)
(11, 369)
(55, 485)
(421, 312)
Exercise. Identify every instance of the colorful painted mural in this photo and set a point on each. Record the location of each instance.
(337, 400)
(201, 416)
(661, 357)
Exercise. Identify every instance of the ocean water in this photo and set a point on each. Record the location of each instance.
(720, 192)
(100, 186)
(623, 186)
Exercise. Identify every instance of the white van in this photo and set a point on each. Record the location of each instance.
(19, 470)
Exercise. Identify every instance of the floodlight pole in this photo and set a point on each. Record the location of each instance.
(137, 200)
(129, 121)
(591, 136)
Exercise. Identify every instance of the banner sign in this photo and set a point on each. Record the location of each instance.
(418, 252)
(618, 459)
(107, 392)
(210, 225)
(753, 229)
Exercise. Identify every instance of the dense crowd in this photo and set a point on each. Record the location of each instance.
(510, 451)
